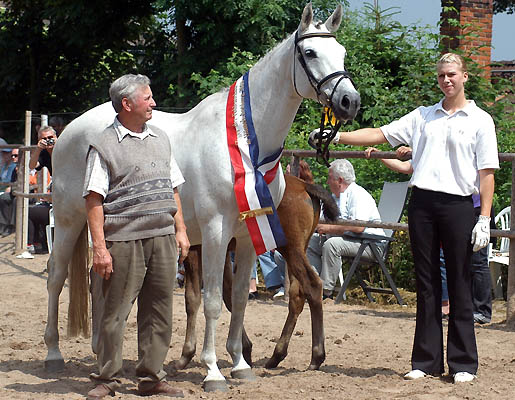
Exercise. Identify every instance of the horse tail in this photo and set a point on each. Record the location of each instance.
(329, 206)
(78, 322)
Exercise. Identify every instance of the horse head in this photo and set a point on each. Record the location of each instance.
(321, 58)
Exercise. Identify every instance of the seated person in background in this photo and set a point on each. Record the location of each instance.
(7, 166)
(326, 246)
(8, 201)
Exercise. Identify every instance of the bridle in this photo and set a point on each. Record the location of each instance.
(322, 139)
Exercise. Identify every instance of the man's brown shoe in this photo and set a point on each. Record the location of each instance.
(99, 392)
(163, 389)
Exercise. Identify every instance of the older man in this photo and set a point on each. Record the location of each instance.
(135, 218)
(326, 247)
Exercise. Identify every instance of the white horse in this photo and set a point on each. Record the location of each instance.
(308, 64)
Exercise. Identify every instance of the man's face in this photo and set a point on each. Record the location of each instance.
(142, 103)
(334, 183)
(14, 155)
(47, 135)
(451, 79)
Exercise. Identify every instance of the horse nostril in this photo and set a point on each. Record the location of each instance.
(345, 102)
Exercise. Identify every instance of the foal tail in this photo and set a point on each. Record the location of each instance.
(329, 206)
(78, 322)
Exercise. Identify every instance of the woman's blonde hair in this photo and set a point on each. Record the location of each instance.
(448, 58)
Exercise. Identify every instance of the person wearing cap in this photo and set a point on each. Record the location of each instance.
(7, 165)
(7, 200)
(454, 156)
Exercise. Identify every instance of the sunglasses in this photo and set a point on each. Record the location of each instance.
(14, 155)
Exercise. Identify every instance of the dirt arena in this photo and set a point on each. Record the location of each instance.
(368, 350)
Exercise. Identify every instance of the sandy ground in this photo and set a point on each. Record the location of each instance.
(368, 350)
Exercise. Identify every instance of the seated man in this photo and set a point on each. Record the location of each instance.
(326, 247)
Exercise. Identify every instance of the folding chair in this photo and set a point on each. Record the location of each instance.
(391, 205)
(498, 258)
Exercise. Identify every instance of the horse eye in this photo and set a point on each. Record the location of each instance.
(310, 53)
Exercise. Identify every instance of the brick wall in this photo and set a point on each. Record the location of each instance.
(474, 16)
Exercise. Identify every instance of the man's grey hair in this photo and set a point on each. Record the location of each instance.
(126, 86)
(342, 168)
(46, 128)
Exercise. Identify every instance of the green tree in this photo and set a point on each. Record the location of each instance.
(60, 55)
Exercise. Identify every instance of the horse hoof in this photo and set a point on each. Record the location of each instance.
(272, 363)
(213, 386)
(314, 367)
(246, 374)
(54, 365)
(179, 364)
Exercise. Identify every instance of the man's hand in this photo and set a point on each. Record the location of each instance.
(102, 262)
(481, 233)
(183, 244)
(312, 139)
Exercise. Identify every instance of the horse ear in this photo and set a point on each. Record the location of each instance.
(333, 22)
(307, 18)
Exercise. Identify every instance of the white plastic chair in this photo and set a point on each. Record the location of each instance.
(49, 229)
(498, 258)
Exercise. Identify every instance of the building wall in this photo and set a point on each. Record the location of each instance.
(472, 18)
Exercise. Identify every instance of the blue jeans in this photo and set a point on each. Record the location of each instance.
(273, 275)
(481, 284)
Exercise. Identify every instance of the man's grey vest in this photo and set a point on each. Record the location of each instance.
(140, 202)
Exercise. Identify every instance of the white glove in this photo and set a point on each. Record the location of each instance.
(335, 140)
(481, 233)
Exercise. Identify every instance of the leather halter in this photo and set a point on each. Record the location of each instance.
(322, 138)
(317, 85)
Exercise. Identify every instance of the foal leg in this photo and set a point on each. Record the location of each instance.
(295, 306)
(192, 296)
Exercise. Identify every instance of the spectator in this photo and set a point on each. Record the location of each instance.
(42, 156)
(7, 166)
(454, 156)
(326, 246)
(8, 201)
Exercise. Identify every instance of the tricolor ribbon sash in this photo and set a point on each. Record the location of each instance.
(251, 177)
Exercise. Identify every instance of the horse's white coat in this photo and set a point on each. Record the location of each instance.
(199, 144)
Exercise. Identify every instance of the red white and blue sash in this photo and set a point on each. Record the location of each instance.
(251, 178)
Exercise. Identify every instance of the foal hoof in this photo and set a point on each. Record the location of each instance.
(246, 374)
(54, 365)
(213, 386)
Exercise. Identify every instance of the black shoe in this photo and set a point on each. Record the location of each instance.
(253, 296)
(327, 296)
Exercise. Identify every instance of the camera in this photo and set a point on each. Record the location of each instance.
(50, 141)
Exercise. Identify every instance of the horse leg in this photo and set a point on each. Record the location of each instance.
(245, 257)
(227, 296)
(63, 247)
(192, 297)
(295, 306)
(214, 250)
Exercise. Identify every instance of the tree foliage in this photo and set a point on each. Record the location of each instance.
(501, 6)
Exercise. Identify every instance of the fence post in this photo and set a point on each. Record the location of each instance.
(510, 298)
(22, 203)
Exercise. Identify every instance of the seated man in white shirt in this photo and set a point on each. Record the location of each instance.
(326, 248)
